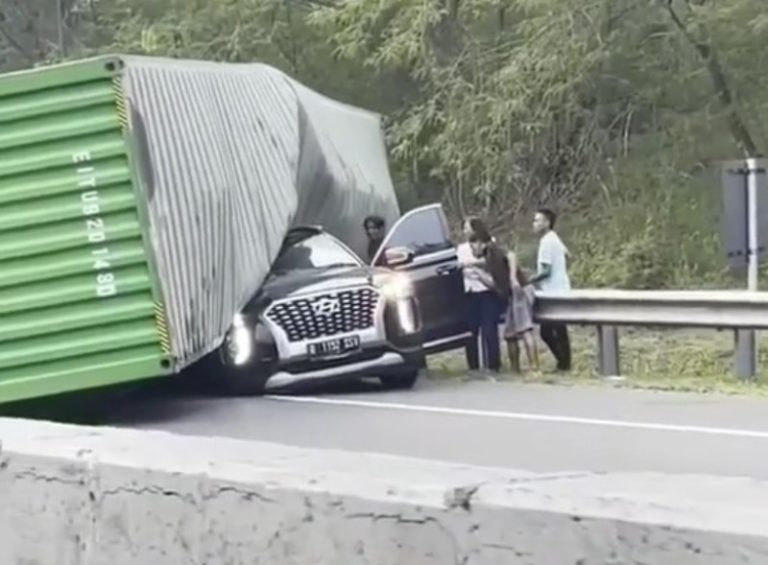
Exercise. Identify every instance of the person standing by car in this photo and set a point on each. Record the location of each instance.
(473, 288)
(374, 227)
(552, 277)
(519, 318)
(484, 305)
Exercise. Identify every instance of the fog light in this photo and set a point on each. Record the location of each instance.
(406, 316)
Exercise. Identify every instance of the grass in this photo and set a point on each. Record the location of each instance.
(671, 360)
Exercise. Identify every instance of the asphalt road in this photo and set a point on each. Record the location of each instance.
(539, 428)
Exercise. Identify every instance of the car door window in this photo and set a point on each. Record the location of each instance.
(422, 231)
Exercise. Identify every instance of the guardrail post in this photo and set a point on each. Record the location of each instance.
(608, 351)
(745, 358)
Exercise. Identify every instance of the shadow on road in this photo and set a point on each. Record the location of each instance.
(154, 401)
(100, 406)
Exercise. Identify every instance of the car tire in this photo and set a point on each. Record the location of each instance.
(404, 380)
(242, 381)
(232, 379)
(214, 376)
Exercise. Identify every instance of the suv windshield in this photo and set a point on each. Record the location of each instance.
(319, 251)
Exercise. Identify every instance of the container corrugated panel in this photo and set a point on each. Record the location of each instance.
(343, 170)
(79, 301)
(232, 157)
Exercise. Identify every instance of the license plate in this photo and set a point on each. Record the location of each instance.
(334, 347)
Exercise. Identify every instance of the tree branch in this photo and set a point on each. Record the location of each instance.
(8, 36)
(736, 124)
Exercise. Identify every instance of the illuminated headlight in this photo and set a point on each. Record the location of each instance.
(397, 287)
(239, 341)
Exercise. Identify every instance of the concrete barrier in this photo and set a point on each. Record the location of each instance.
(92, 496)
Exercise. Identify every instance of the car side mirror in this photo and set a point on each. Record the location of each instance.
(397, 256)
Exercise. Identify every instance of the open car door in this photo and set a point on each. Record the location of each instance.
(435, 274)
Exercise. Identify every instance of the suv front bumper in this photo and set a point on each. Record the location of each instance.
(385, 348)
(363, 364)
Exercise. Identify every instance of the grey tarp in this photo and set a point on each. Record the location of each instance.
(232, 157)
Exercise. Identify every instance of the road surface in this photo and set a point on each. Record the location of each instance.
(533, 427)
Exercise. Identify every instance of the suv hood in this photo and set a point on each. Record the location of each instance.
(307, 281)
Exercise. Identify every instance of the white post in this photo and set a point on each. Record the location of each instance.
(753, 265)
(746, 340)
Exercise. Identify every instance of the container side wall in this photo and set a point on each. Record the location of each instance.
(78, 296)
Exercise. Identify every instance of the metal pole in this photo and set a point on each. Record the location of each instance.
(753, 265)
(745, 359)
(746, 340)
(608, 351)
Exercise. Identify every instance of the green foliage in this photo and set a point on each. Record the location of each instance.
(650, 227)
(614, 111)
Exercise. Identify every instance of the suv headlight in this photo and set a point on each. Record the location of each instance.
(396, 287)
(239, 341)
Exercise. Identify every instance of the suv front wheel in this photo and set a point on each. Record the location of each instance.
(241, 378)
(247, 380)
(404, 380)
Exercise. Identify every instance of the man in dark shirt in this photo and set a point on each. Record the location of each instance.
(374, 229)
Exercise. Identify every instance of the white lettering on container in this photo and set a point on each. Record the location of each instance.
(96, 229)
(81, 157)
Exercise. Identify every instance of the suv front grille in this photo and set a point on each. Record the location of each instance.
(326, 314)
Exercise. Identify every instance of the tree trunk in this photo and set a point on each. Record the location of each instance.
(736, 123)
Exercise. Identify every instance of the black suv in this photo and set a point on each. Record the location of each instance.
(322, 313)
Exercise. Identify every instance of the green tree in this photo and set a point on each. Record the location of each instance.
(614, 111)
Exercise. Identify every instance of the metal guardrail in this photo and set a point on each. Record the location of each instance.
(741, 311)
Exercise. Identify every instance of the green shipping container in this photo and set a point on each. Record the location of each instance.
(80, 302)
(143, 201)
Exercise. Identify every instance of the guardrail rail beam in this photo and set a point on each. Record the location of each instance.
(609, 309)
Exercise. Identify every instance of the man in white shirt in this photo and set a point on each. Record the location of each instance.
(552, 277)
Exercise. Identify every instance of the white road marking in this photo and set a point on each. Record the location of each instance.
(522, 416)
